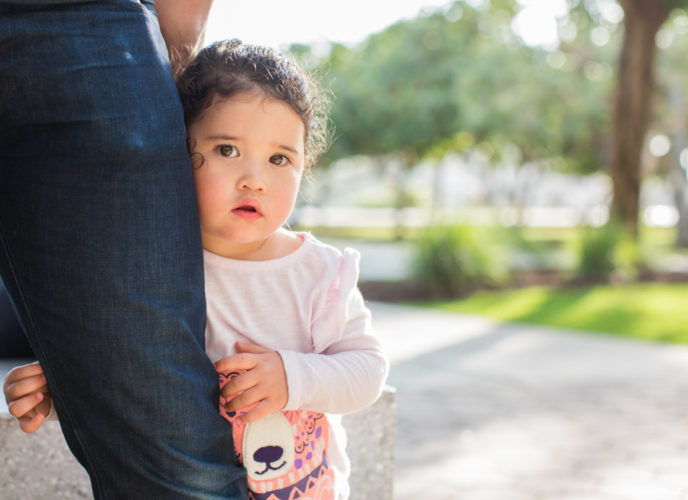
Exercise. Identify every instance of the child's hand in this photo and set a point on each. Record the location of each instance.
(27, 396)
(262, 381)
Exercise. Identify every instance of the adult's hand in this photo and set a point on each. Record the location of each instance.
(182, 24)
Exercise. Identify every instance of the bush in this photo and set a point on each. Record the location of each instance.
(608, 252)
(528, 254)
(455, 260)
(596, 248)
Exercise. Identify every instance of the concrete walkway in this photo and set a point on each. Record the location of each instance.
(517, 412)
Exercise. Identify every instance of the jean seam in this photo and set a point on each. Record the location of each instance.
(36, 343)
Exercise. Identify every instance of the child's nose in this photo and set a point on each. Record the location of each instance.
(250, 178)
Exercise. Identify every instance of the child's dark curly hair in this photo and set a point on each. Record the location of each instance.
(230, 67)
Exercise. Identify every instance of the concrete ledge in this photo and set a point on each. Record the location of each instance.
(371, 441)
(40, 466)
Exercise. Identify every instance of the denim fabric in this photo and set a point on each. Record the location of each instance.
(13, 342)
(100, 248)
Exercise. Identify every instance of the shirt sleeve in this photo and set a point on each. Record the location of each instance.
(348, 368)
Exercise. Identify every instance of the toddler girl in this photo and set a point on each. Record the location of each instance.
(287, 327)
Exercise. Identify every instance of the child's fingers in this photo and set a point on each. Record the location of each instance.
(249, 348)
(24, 371)
(236, 363)
(23, 406)
(25, 386)
(240, 383)
(45, 405)
(31, 423)
(262, 409)
(264, 404)
(30, 369)
(243, 400)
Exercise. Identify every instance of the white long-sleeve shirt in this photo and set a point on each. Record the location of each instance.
(307, 307)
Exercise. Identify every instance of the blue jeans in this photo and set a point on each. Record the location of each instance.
(100, 248)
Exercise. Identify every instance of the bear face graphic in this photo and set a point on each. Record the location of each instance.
(284, 453)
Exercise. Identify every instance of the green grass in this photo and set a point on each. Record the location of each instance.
(651, 311)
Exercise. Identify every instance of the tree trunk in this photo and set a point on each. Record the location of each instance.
(680, 187)
(677, 175)
(632, 105)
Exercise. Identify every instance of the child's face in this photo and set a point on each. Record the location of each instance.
(253, 148)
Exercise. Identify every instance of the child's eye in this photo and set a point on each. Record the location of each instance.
(227, 150)
(279, 160)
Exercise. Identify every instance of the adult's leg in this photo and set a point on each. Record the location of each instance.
(100, 248)
(13, 343)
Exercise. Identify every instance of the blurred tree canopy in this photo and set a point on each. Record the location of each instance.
(458, 78)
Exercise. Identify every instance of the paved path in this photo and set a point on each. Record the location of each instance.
(516, 412)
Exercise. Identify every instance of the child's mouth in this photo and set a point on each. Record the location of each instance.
(246, 212)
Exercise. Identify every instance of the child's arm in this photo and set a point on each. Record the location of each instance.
(347, 369)
(27, 396)
(348, 376)
(346, 372)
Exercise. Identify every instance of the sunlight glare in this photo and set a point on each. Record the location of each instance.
(308, 21)
(660, 145)
(536, 23)
(311, 21)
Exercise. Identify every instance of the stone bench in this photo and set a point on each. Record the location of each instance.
(40, 466)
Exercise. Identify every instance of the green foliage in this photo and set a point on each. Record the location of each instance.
(458, 77)
(455, 260)
(652, 311)
(608, 251)
(393, 92)
(675, 4)
(596, 250)
(531, 253)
